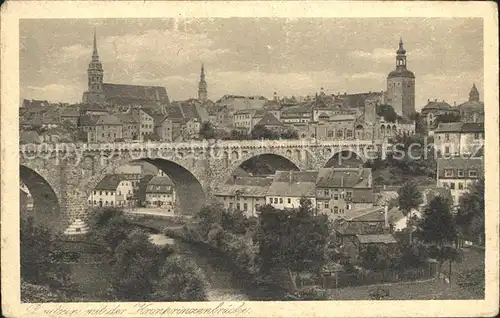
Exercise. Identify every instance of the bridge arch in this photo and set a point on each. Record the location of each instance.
(263, 164)
(188, 187)
(345, 158)
(46, 202)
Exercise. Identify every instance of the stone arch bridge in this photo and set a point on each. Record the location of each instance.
(65, 174)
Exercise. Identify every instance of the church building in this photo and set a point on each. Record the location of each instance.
(401, 86)
(118, 94)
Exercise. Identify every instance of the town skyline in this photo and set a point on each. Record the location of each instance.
(259, 63)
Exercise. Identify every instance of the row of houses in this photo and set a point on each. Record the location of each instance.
(130, 190)
(326, 118)
(332, 191)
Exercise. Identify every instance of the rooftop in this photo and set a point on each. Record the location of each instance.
(459, 127)
(109, 182)
(344, 178)
(293, 184)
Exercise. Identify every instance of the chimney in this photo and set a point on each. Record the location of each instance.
(234, 178)
(386, 216)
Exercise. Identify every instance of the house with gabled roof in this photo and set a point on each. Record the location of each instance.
(113, 190)
(288, 187)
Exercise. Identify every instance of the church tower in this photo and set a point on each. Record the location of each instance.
(202, 86)
(474, 94)
(95, 75)
(401, 85)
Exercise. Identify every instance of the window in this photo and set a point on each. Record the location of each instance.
(349, 133)
(329, 134)
(348, 207)
(445, 184)
(460, 173)
(275, 200)
(460, 186)
(477, 136)
(271, 200)
(245, 206)
(448, 173)
(230, 205)
(452, 185)
(238, 206)
(326, 206)
(447, 149)
(95, 202)
(319, 205)
(349, 195)
(472, 173)
(95, 192)
(281, 200)
(289, 201)
(327, 192)
(335, 210)
(106, 192)
(335, 196)
(90, 201)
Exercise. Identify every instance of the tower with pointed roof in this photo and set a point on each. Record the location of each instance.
(401, 85)
(202, 86)
(474, 94)
(95, 73)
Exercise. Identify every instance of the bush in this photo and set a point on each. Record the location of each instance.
(135, 268)
(180, 280)
(309, 293)
(472, 280)
(379, 293)
(41, 254)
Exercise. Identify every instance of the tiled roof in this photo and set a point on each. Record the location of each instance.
(376, 238)
(240, 172)
(293, 184)
(344, 178)
(160, 184)
(431, 105)
(88, 120)
(70, 112)
(459, 127)
(134, 92)
(456, 163)
(109, 120)
(269, 120)
(471, 105)
(128, 118)
(93, 108)
(246, 187)
(109, 182)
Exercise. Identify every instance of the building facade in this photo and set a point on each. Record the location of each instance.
(112, 191)
(458, 174)
(288, 187)
(454, 139)
(340, 190)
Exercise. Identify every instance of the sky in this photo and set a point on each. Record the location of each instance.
(252, 56)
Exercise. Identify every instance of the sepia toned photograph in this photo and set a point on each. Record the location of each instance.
(238, 159)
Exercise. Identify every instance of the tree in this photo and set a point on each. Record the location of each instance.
(207, 131)
(438, 228)
(262, 132)
(136, 267)
(470, 214)
(419, 123)
(409, 198)
(41, 256)
(207, 217)
(180, 280)
(294, 239)
(387, 112)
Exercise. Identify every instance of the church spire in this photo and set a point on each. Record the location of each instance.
(202, 86)
(94, 53)
(401, 55)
